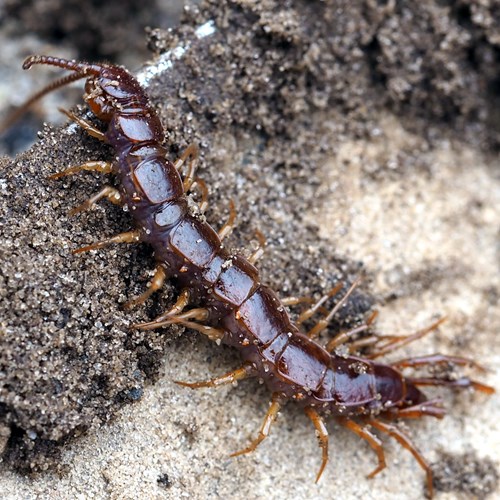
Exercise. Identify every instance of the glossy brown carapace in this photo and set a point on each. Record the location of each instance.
(221, 294)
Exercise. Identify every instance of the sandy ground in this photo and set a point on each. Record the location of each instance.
(416, 212)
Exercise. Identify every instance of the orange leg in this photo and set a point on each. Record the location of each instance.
(431, 408)
(177, 308)
(215, 334)
(112, 194)
(437, 359)
(156, 283)
(344, 337)
(199, 314)
(104, 167)
(323, 323)
(270, 417)
(229, 225)
(308, 313)
(191, 152)
(259, 251)
(400, 341)
(87, 126)
(293, 301)
(322, 434)
(201, 184)
(128, 237)
(228, 378)
(406, 443)
(373, 441)
(371, 341)
(460, 383)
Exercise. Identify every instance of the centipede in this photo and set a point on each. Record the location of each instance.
(220, 293)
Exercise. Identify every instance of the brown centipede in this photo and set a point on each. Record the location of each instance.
(227, 301)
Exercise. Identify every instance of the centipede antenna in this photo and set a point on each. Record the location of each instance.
(17, 113)
(79, 67)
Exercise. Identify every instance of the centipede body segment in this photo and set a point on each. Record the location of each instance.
(221, 295)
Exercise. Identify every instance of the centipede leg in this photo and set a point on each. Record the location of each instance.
(399, 341)
(373, 441)
(323, 323)
(191, 151)
(270, 417)
(437, 359)
(228, 378)
(177, 308)
(215, 334)
(156, 283)
(199, 314)
(369, 341)
(344, 337)
(406, 443)
(459, 383)
(259, 251)
(104, 167)
(430, 408)
(128, 237)
(201, 184)
(229, 225)
(293, 301)
(322, 433)
(308, 313)
(87, 126)
(112, 194)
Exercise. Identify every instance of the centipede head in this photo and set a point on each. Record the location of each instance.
(113, 88)
(93, 95)
(105, 86)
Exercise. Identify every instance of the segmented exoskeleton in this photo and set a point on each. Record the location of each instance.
(228, 302)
